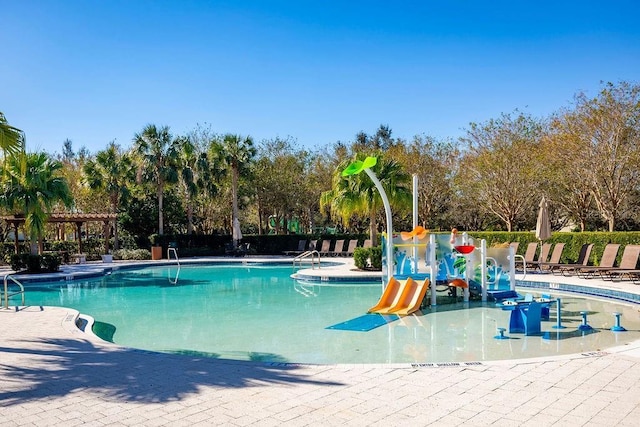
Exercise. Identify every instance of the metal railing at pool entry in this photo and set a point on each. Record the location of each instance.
(173, 251)
(306, 257)
(6, 290)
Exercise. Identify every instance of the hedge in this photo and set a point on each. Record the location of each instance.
(573, 242)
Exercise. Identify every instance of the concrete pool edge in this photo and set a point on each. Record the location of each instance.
(631, 349)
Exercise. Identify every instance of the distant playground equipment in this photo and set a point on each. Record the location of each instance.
(293, 225)
(435, 260)
(417, 262)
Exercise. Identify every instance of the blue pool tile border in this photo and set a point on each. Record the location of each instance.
(584, 290)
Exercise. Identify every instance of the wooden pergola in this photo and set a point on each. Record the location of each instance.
(75, 218)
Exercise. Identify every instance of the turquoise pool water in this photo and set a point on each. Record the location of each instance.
(260, 313)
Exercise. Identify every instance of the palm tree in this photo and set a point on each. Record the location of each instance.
(236, 153)
(32, 186)
(357, 194)
(195, 175)
(159, 152)
(111, 171)
(11, 139)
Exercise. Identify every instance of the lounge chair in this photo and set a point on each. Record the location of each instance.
(337, 248)
(367, 243)
(239, 251)
(607, 261)
(628, 265)
(514, 245)
(324, 251)
(529, 256)
(352, 246)
(542, 257)
(313, 246)
(302, 245)
(555, 258)
(567, 269)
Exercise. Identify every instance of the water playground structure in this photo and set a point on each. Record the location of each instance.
(417, 262)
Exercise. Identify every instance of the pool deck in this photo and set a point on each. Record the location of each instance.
(51, 373)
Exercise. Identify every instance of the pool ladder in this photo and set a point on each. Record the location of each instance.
(307, 256)
(175, 254)
(6, 289)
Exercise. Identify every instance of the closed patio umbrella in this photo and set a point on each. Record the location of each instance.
(543, 225)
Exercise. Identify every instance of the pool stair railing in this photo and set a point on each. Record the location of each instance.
(6, 294)
(311, 256)
(173, 251)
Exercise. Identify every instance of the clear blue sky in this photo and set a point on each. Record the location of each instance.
(320, 72)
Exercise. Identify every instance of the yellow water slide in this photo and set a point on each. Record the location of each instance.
(389, 296)
(401, 298)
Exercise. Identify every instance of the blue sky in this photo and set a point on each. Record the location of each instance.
(320, 72)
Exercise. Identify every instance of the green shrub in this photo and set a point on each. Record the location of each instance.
(368, 258)
(132, 254)
(50, 262)
(30, 263)
(376, 257)
(17, 262)
(360, 257)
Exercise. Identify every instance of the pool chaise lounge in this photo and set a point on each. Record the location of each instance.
(555, 258)
(570, 268)
(543, 257)
(629, 261)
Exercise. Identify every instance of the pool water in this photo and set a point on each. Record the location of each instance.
(260, 313)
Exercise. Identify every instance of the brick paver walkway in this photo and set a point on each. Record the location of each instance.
(51, 373)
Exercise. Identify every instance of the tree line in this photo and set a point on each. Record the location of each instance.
(584, 158)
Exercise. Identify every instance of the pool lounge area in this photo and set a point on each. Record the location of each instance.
(53, 372)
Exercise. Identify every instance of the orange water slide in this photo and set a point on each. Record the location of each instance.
(389, 296)
(401, 298)
(411, 298)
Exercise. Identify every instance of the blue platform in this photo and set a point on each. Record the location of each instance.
(365, 323)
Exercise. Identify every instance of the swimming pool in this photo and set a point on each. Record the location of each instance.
(259, 313)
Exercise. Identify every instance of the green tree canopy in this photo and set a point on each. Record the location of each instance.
(357, 194)
(159, 152)
(32, 185)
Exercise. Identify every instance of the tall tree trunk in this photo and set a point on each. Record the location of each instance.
(234, 199)
(260, 217)
(160, 209)
(373, 228)
(114, 209)
(189, 215)
(33, 246)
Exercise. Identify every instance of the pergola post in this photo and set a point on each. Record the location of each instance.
(106, 236)
(16, 244)
(79, 228)
(69, 218)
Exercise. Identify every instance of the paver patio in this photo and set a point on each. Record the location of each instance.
(51, 373)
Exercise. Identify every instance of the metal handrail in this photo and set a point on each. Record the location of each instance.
(6, 290)
(306, 255)
(524, 264)
(175, 253)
